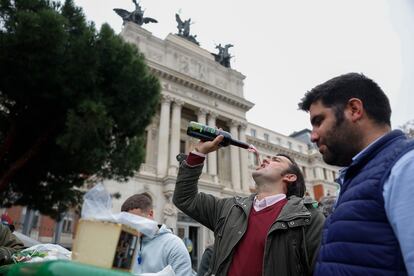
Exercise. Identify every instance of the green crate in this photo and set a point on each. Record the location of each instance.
(58, 268)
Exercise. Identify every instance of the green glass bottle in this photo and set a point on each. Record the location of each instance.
(206, 133)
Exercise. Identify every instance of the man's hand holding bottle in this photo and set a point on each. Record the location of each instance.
(206, 147)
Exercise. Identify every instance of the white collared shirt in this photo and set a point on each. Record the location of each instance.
(267, 201)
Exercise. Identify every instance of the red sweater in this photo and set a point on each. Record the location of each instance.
(248, 255)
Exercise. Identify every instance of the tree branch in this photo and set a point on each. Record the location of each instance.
(7, 176)
(8, 142)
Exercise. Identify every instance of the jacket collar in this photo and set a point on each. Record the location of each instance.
(293, 209)
(377, 146)
(366, 155)
(245, 203)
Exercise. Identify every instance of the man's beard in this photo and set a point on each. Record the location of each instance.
(342, 144)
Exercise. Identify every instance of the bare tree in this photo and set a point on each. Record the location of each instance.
(408, 128)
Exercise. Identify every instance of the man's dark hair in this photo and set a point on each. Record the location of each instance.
(138, 201)
(336, 92)
(298, 187)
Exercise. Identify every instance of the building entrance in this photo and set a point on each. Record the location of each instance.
(189, 232)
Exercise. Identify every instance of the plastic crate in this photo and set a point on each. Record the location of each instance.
(58, 268)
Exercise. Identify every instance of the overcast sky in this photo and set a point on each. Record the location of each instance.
(285, 48)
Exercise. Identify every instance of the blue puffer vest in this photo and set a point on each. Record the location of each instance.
(357, 238)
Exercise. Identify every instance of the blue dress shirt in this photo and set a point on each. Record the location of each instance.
(399, 202)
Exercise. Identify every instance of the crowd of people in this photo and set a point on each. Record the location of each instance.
(366, 230)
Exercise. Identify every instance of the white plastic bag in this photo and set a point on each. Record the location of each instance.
(97, 204)
(42, 252)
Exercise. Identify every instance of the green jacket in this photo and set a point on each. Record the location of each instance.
(292, 242)
(9, 244)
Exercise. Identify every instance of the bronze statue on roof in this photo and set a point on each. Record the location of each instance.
(136, 16)
(223, 56)
(184, 29)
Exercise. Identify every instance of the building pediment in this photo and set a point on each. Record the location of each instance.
(178, 57)
(221, 95)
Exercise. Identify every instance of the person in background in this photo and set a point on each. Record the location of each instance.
(269, 233)
(370, 231)
(6, 220)
(154, 254)
(326, 205)
(9, 244)
(205, 261)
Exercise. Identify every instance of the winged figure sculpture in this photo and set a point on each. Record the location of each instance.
(183, 26)
(136, 16)
(184, 29)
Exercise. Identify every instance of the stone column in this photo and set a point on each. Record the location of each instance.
(151, 132)
(235, 157)
(170, 212)
(163, 131)
(148, 144)
(175, 134)
(212, 156)
(244, 160)
(201, 118)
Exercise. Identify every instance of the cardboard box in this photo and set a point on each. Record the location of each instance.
(105, 244)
